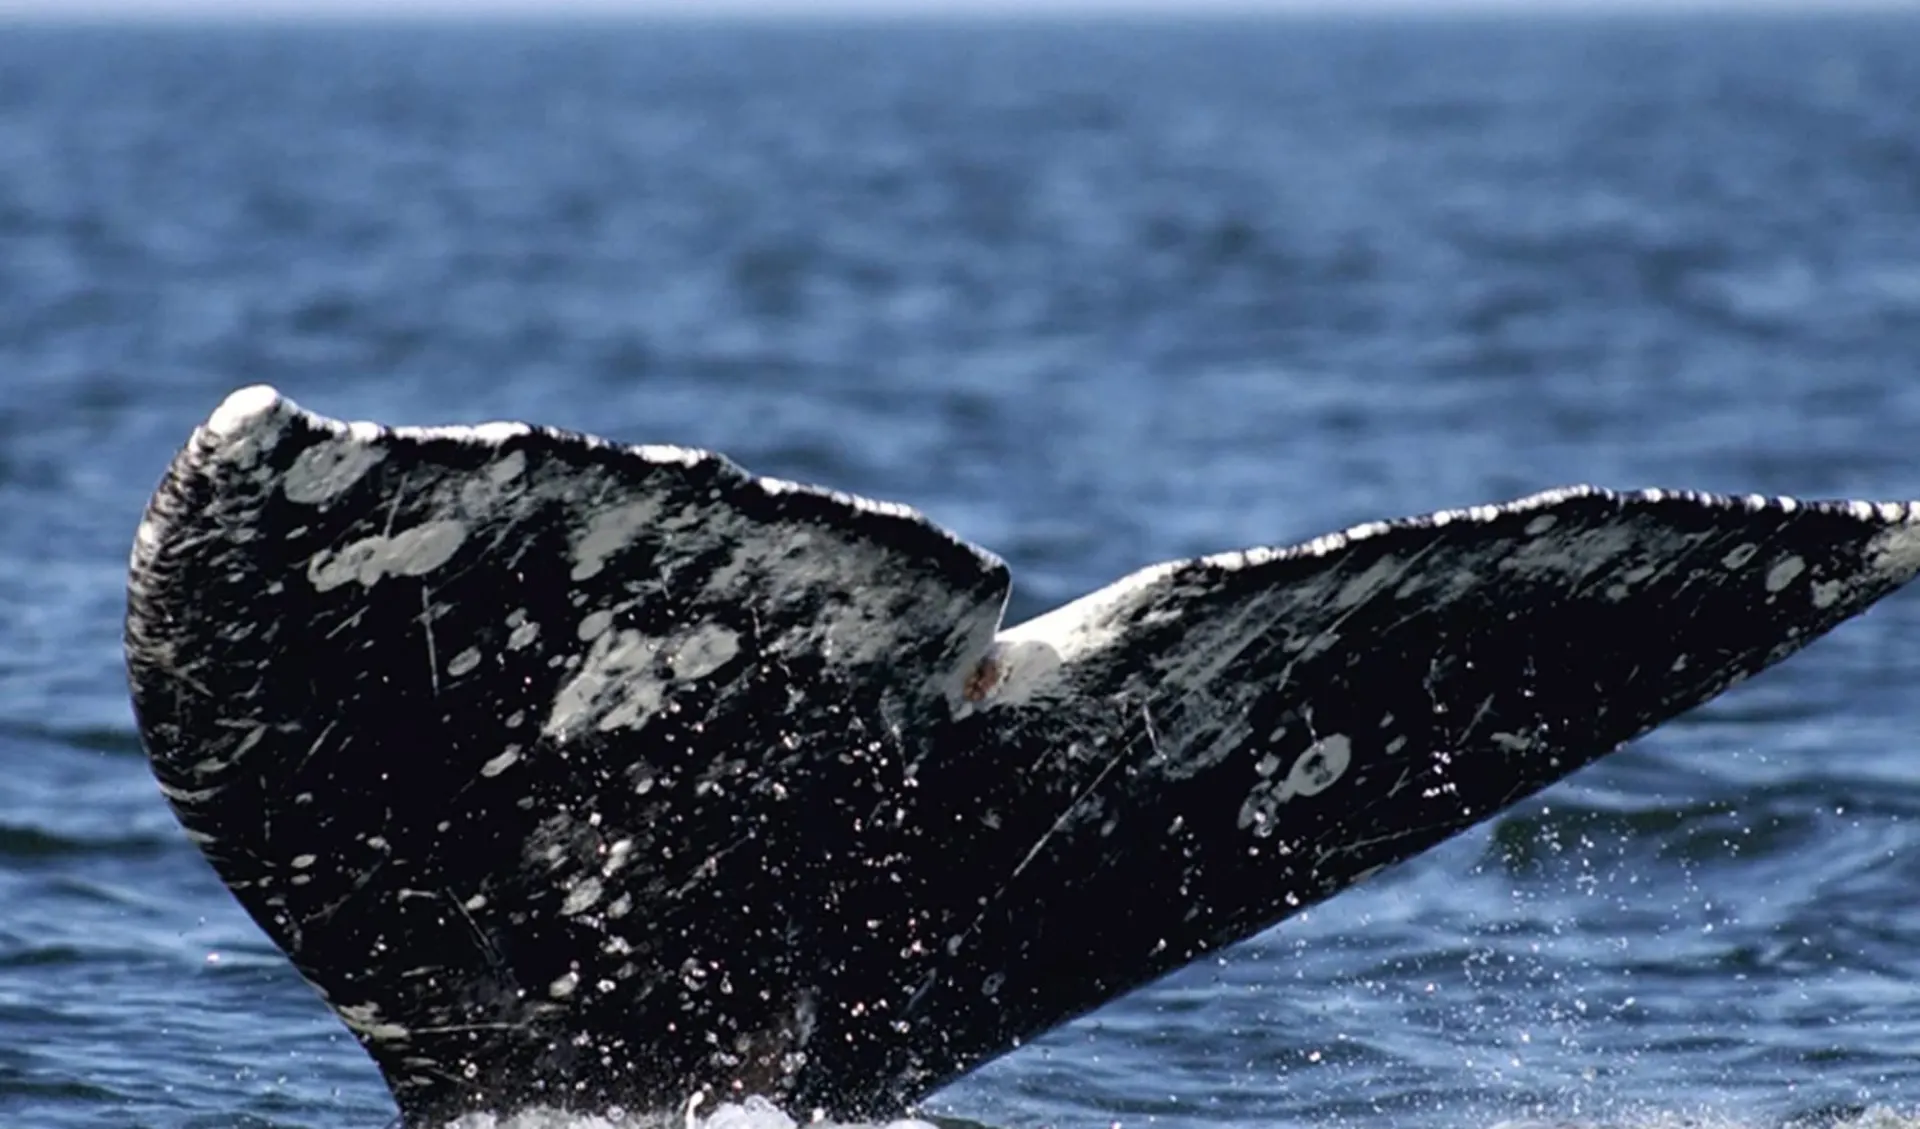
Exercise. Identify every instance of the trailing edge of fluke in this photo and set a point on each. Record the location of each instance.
(576, 775)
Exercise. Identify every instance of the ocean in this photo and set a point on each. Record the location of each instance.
(1094, 295)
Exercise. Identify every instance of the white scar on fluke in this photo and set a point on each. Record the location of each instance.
(576, 775)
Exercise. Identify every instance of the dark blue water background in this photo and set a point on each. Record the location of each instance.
(1094, 296)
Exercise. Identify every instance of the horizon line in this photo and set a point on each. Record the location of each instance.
(147, 12)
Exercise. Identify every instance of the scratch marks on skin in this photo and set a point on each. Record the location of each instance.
(426, 627)
(1357, 846)
(1060, 823)
(1232, 639)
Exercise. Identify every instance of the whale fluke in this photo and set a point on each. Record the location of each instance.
(579, 775)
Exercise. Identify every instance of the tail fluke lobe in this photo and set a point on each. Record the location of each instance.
(1217, 743)
(544, 760)
(579, 775)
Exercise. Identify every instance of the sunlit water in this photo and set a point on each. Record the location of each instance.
(1093, 297)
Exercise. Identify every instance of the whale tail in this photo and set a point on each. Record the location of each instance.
(577, 775)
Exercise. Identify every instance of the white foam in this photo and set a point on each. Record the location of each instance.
(751, 1113)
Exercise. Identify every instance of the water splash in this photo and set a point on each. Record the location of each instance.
(752, 1113)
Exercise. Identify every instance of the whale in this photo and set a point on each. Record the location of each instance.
(581, 776)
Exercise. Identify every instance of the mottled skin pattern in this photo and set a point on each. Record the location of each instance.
(575, 775)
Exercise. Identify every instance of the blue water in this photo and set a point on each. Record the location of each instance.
(1094, 296)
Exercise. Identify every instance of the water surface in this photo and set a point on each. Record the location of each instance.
(1093, 296)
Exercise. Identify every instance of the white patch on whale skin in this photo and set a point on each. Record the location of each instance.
(1093, 622)
(365, 1019)
(1895, 553)
(1368, 584)
(507, 469)
(1012, 672)
(609, 532)
(859, 623)
(1549, 558)
(483, 492)
(411, 552)
(613, 688)
(705, 649)
(619, 853)
(524, 632)
(618, 684)
(328, 468)
(1826, 592)
(1784, 572)
(593, 625)
(1319, 767)
(583, 896)
(504, 761)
